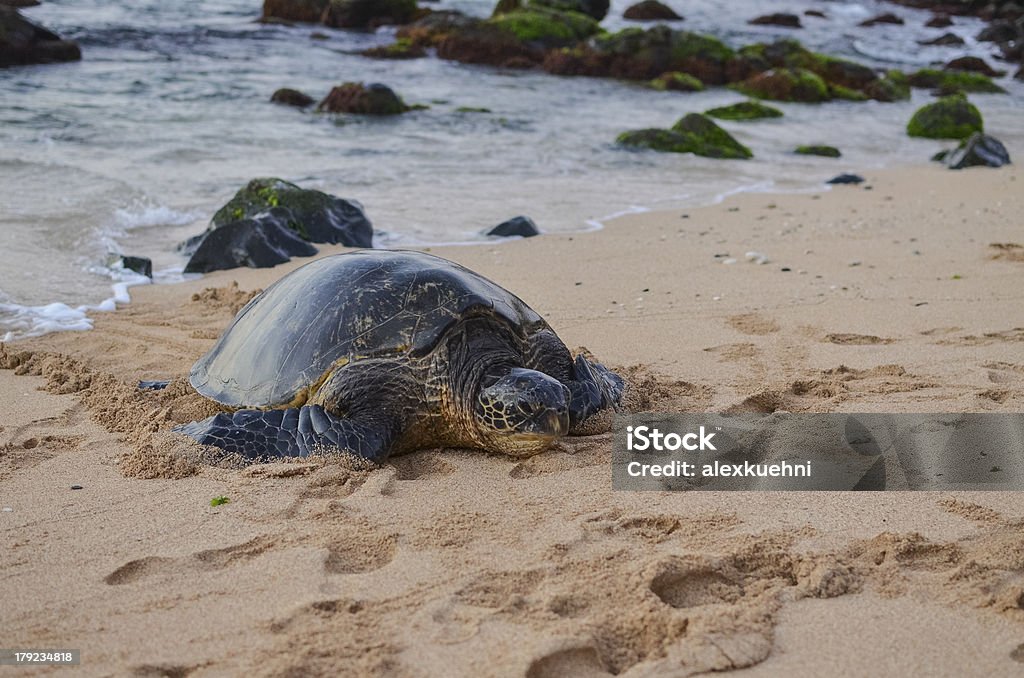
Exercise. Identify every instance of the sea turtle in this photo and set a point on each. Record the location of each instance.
(379, 352)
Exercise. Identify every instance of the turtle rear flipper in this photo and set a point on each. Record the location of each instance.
(259, 434)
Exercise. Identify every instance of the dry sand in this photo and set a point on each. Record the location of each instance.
(904, 297)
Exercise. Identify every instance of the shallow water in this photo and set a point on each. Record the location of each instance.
(135, 147)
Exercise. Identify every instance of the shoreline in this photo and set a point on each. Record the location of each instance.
(470, 563)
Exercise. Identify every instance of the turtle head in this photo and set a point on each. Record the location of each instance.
(522, 412)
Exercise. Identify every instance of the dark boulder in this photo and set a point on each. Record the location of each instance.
(887, 18)
(257, 242)
(310, 11)
(815, 13)
(944, 40)
(20, 3)
(846, 179)
(368, 13)
(23, 42)
(141, 265)
(786, 84)
(978, 150)
(694, 133)
(744, 110)
(777, 19)
(355, 97)
(521, 226)
(1000, 31)
(292, 97)
(974, 65)
(650, 10)
(270, 220)
(939, 21)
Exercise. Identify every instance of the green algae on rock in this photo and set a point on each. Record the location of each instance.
(786, 84)
(823, 151)
(403, 48)
(595, 9)
(963, 81)
(744, 110)
(952, 117)
(694, 133)
(677, 82)
(545, 26)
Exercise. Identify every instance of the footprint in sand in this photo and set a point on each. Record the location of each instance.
(573, 662)
(162, 671)
(734, 352)
(847, 339)
(212, 559)
(421, 465)
(358, 551)
(684, 585)
(752, 323)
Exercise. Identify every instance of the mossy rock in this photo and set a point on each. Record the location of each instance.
(547, 27)
(744, 110)
(595, 9)
(952, 81)
(708, 139)
(635, 53)
(355, 97)
(656, 139)
(310, 11)
(786, 84)
(823, 151)
(403, 48)
(677, 82)
(952, 117)
(892, 87)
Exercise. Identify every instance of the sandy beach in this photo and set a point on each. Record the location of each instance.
(902, 294)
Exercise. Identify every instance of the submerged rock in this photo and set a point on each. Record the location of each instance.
(786, 84)
(650, 10)
(694, 133)
(939, 21)
(403, 48)
(270, 220)
(952, 117)
(516, 226)
(744, 110)
(368, 13)
(777, 19)
(677, 82)
(309, 11)
(292, 97)
(846, 179)
(823, 151)
(974, 65)
(944, 40)
(978, 150)
(355, 97)
(887, 18)
(23, 42)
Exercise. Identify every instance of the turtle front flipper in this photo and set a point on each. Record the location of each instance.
(594, 388)
(259, 434)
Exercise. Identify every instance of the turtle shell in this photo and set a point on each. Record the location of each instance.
(353, 306)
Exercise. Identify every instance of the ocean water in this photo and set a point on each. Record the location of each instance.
(134, 148)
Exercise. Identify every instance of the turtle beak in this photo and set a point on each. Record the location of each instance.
(553, 422)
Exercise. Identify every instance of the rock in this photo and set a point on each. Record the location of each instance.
(974, 65)
(892, 87)
(141, 265)
(516, 226)
(978, 150)
(595, 9)
(846, 179)
(485, 44)
(355, 97)
(20, 3)
(270, 220)
(815, 13)
(694, 133)
(939, 21)
(999, 31)
(786, 84)
(951, 117)
(944, 40)
(309, 11)
(650, 10)
(887, 18)
(545, 27)
(677, 82)
(368, 13)
(823, 151)
(953, 81)
(1019, 75)
(257, 242)
(23, 42)
(430, 30)
(745, 110)
(292, 97)
(777, 19)
(403, 48)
